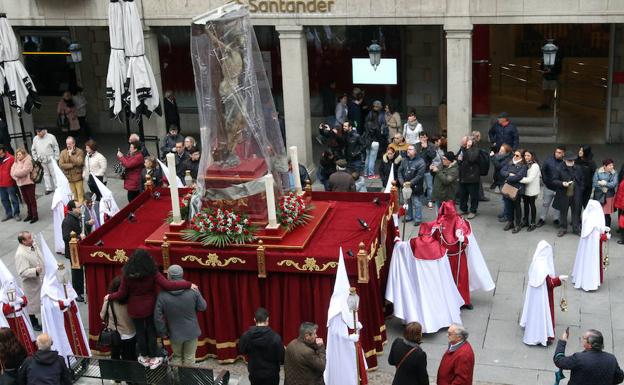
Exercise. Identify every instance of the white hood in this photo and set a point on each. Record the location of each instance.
(593, 218)
(51, 286)
(108, 205)
(542, 264)
(63, 192)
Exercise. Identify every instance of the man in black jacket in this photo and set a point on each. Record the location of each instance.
(412, 169)
(469, 177)
(353, 147)
(568, 181)
(70, 223)
(592, 366)
(428, 152)
(549, 169)
(45, 366)
(264, 349)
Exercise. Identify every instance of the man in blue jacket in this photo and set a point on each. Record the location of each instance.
(412, 169)
(503, 131)
(549, 170)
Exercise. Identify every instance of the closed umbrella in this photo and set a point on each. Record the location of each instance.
(141, 89)
(116, 75)
(17, 85)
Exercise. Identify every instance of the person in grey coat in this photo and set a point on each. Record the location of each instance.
(592, 366)
(175, 316)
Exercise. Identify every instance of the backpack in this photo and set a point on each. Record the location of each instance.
(484, 162)
(37, 171)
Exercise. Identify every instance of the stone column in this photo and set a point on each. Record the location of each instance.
(155, 125)
(458, 83)
(295, 83)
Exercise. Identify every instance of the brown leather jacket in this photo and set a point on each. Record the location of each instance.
(72, 164)
(304, 363)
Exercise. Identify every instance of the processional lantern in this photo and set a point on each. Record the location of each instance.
(61, 276)
(374, 53)
(76, 52)
(549, 53)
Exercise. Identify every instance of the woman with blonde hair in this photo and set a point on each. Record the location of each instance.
(20, 172)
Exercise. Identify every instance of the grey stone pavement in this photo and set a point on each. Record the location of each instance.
(496, 337)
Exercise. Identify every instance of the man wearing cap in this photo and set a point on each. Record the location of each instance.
(45, 149)
(568, 181)
(503, 131)
(175, 317)
(341, 180)
(446, 180)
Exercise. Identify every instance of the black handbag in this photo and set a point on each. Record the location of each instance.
(120, 170)
(109, 337)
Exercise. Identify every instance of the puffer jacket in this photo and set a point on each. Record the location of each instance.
(20, 171)
(71, 164)
(469, 170)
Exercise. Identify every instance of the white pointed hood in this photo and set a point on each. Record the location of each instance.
(390, 180)
(108, 205)
(165, 172)
(338, 302)
(51, 286)
(63, 192)
(593, 218)
(542, 264)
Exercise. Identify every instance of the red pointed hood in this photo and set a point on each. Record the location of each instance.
(426, 247)
(449, 222)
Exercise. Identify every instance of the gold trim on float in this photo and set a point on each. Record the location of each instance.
(119, 256)
(212, 260)
(308, 265)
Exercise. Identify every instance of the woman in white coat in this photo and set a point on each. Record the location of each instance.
(94, 164)
(531, 190)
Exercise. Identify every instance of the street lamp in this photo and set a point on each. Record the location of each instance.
(374, 53)
(76, 52)
(549, 52)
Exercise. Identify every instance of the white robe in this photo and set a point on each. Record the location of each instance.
(586, 272)
(108, 205)
(61, 196)
(423, 290)
(478, 273)
(9, 283)
(536, 318)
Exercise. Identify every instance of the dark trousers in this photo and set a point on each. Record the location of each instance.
(8, 196)
(469, 190)
(125, 351)
(529, 204)
(78, 280)
(608, 220)
(264, 381)
(146, 336)
(575, 211)
(93, 187)
(132, 195)
(28, 194)
(85, 127)
(514, 210)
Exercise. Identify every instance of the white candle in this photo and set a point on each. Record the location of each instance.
(294, 160)
(270, 199)
(173, 188)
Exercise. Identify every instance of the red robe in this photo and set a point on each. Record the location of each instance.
(73, 330)
(462, 281)
(551, 283)
(19, 326)
(456, 367)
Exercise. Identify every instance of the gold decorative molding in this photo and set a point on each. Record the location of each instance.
(119, 256)
(308, 265)
(212, 260)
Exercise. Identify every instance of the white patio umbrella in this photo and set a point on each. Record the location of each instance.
(116, 75)
(15, 82)
(141, 89)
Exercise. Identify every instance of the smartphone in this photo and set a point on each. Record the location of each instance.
(568, 331)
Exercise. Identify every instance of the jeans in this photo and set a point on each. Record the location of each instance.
(371, 158)
(146, 336)
(322, 179)
(355, 166)
(514, 209)
(547, 198)
(8, 195)
(414, 209)
(184, 352)
(469, 190)
(428, 186)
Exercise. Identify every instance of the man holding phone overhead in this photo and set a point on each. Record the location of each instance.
(592, 366)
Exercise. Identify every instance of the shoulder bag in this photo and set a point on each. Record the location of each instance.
(109, 337)
(405, 357)
(509, 191)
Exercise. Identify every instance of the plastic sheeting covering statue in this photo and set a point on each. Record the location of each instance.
(240, 134)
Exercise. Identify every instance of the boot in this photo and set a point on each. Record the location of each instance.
(524, 223)
(508, 226)
(35, 323)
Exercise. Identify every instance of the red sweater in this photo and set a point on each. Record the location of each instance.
(141, 293)
(456, 367)
(5, 170)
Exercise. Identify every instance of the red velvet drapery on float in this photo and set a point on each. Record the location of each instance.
(298, 283)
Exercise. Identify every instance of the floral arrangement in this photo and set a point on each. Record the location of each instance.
(185, 203)
(292, 211)
(218, 227)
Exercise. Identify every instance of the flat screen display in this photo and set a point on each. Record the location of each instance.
(364, 73)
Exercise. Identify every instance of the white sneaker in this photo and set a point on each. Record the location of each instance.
(145, 361)
(155, 362)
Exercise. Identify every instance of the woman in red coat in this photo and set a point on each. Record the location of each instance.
(457, 363)
(133, 162)
(139, 287)
(618, 203)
